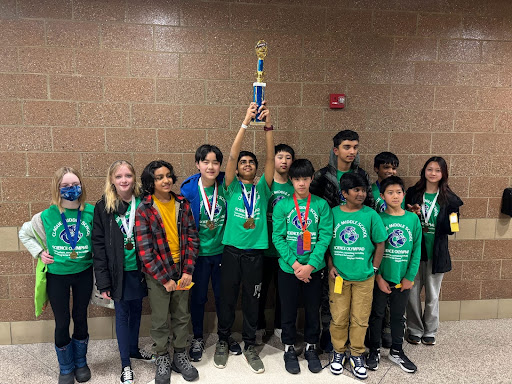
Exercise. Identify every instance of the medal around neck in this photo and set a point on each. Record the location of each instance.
(249, 206)
(128, 227)
(259, 86)
(209, 208)
(73, 240)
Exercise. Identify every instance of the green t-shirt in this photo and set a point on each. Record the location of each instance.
(210, 240)
(429, 236)
(352, 245)
(380, 204)
(235, 234)
(130, 256)
(278, 192)
(403, 247)
(287, 229)
(338, 176)
(58, 242)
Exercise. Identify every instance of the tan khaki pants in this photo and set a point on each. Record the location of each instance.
(350, 309)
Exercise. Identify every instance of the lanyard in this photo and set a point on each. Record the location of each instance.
(304, 225)
(379, 199)
(426, 214)
(128, 227)
(72, 240)
(209, 208)
(249, 205)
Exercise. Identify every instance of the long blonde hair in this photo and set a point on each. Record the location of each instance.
(57, 178)
(112, 199)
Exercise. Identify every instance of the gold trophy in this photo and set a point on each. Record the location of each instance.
(259, 85)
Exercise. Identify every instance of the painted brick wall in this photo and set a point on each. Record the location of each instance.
(84, 83)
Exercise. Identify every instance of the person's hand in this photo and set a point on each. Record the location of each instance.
(414, 208)
(265, 114)
(406, 284)
(383, 284)
(185, 281)
(170, 286)
(304, 273)
(46, 258)
(333, 273)
(106, 295)
(251, 113)
(296, 265)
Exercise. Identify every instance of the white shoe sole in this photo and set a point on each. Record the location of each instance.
(336, 372)
(397, 362)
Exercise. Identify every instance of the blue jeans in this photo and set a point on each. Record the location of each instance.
(205, 267)
(128, 314)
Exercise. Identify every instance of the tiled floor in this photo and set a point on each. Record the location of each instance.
(475, 351)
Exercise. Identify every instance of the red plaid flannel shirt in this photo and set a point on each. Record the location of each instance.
(151, 241)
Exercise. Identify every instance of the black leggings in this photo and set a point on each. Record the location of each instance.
(58, 288)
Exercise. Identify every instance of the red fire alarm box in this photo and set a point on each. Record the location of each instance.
(337, 100)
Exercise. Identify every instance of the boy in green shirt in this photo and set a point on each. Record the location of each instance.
(355, 255)
(281, 188)
(396, 273)
(302, 233)
(385, 164)
(245, 238)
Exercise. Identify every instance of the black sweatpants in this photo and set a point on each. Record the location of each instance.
(58, 288)
(270, 268)
(290, 287)
(245, 267)
(397, 304)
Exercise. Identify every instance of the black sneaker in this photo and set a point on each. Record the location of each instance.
(357, 363)
(428, 340)
(398, 357)
(234, 347)
(143, 355)
(181, 364)
(411, 339)
(163, 369)
(314, 364)
(372, 361)
(196, 349)
(291, 363)
(126, 375)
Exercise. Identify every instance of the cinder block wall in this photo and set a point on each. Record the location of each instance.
(84, 83)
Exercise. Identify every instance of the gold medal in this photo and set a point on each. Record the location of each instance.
(129, 246)
(211, 225)
(424, 228)
(73, 255)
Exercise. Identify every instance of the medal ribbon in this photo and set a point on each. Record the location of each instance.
(72, 241)
(209, 208)
(426, 214)
(128, 227)
(249, 206)
(304, 225)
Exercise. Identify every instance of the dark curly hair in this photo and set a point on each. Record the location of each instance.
(148, 175)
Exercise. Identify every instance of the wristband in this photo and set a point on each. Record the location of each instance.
(375, 270)
(266, 129)
(244, 126)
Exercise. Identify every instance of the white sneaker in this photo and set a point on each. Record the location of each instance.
(337, 363)
(278, 332)
(259, 336)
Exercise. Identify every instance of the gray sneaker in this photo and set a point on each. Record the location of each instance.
(220, 359)
(253, 359)
(181, 364)
(163, 369)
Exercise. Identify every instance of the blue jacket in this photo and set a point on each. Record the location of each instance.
(191, 193)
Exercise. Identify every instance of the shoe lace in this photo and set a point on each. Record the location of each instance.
(358, 361)
(337, 358)
(183, 361)
(251, 354)
(163, 363)
(197, 345)
(145, 354)
(222, 348)
(127, 375)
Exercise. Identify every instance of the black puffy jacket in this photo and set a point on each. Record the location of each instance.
(441, 261)
(108, 251)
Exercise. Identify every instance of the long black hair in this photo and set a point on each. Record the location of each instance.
(148, 175)
(444, 189)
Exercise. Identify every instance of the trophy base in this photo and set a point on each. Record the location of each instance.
(257, 123)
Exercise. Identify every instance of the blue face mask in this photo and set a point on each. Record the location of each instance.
(71, 193)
